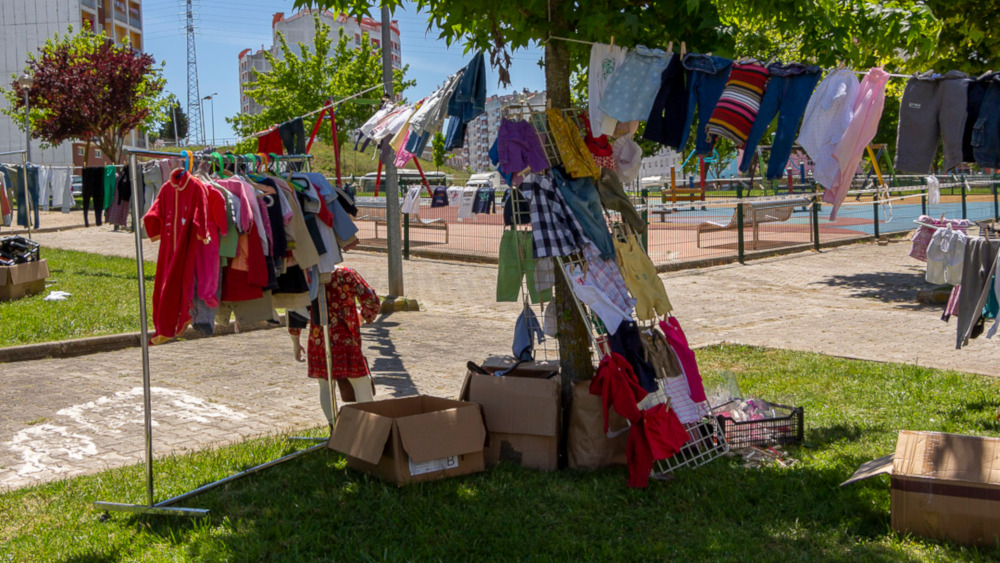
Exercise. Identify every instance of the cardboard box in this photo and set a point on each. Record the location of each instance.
(943, 486)
(20, 280)
(522, 411)
(412, 439)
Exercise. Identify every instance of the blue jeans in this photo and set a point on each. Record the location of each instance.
(706, 82)
(986, 131)
(788, 91)
(583, 200)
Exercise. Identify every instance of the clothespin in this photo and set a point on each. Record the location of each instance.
(670, 47)
(612, 41)
(684, 49)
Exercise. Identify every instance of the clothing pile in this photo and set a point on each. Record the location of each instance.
(242, 244)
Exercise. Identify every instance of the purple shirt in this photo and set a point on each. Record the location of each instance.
(518, 148)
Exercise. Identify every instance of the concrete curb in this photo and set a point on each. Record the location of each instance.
(109, 343)
(45, 230)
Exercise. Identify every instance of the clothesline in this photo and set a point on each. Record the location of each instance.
(861, 72)
(313, 112)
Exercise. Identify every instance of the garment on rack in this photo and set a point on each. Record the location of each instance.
(945, 254)
(654, 433)
(110, 182)
(975, 92)
(573, 153)
(92, 188)
(707, 80)
(933, 106)
(468, 199)
(627, 342)
(679, 344)
(516, 209)
(827, 116)
(429, 117)
(734, 113)
(933, 190)
(467, 102)
(628, 159)
(606, 275)
(600, 147)
(952, 307)
(27, 201)
(293, 136)
(178, 220)
(345, 293)
(864, 124)
(613, 198)
(665, 124)
(527, 331)
(788, 92)
(515, 263)
(629, 93)
(270, 142)
(585, 203)
(44, 186)
(118, 212)
(604, 60)
(440, 197)
(519, 149)
(6, 210)
(554, 229)
(977, 268)
(641, 279)
(924, 232)
(486, 200)
(668, 369)
(596, 299)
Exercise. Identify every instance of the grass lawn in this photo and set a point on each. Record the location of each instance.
(104, 300)
(313, 508)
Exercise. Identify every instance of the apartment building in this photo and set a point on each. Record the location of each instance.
(299, 28)
(482, 131)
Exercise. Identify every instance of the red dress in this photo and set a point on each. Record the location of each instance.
(345, 291)
(178, 219)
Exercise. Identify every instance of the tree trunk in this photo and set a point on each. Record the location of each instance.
(574, 342)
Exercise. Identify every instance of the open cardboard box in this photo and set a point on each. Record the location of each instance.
(943, 486)
(20, 280)
(522, 410)
(412, 439)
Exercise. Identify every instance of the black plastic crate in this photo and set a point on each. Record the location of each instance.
(786, 429)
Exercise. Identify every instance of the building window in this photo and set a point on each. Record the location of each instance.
(98, 153)
(79, 151)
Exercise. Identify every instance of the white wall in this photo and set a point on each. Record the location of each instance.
(24, 27)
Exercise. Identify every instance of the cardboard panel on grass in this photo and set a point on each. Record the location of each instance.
(412, 439)
(20, 280)
(943, 486)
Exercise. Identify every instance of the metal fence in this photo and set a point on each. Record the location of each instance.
(725, 226)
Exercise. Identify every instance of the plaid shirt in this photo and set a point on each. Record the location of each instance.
(606, 275)
(554, 230)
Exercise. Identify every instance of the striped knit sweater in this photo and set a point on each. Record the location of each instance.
(734, 114)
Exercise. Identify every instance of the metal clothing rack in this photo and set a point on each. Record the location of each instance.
(166, 507)
(24, 175)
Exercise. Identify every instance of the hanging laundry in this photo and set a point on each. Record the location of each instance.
(628, 159)
(466, 203)
(629, 93)
(411, 203)
(575, 156)
(519, 149)
(596, 299)
(827, 116)
(467, 102)
(933, 190)
(707, 81)
(864, 124)
(118, 212)
(665, 124)
(454, 196)
(515, 263)
(933, 106)
(604, 60)
(924, 233)
(293, 136)
(270, 142)
(985, 138)
(440, 197)
(554, 229)
(429, 118)
(92, 189)
(737, 107)
(789, 89)
(679, 344)
(62, 188)
(641, 279)
(606, 275)
(945, 256)
(978, 266)
(627, 342)
(44, 186)
(486, 200)
(585, 203)
(526, 331)
(975, 92)
(614, 198)
(516, 209)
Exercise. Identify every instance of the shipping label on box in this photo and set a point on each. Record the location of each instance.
(450, 462)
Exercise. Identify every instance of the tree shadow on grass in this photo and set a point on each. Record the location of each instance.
(898, 288)
(313, 508)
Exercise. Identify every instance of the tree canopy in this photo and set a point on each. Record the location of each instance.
(87, 87)
(302, 82)
(166, 130)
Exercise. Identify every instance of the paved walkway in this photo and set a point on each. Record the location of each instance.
(66, 417)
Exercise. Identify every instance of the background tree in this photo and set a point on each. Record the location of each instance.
(89, 88)
(437, 150)
(901, 28)
(302, 82)
(166, 131)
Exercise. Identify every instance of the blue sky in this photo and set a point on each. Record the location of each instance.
(226, 27)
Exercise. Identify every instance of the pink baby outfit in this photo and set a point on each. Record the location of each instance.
(864, 124)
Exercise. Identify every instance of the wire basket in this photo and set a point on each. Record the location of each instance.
(707, 443)
(785, 429)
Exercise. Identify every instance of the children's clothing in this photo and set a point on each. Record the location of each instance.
(933, 106)
(827, 116)
(706, 82)
(736, 110)
(630, 91)
(641, 279)
(604, 60)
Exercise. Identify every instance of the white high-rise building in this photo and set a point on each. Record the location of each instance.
(25, 25)
(299, 28)
(482, 131)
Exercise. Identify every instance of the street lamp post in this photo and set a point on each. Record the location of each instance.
(210, 98)
(26, 82)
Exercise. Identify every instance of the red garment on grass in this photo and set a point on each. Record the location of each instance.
(655, 433)
(270, 142)
(178, 219)
(345, 291)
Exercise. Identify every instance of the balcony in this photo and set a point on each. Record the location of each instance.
(134, 17)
